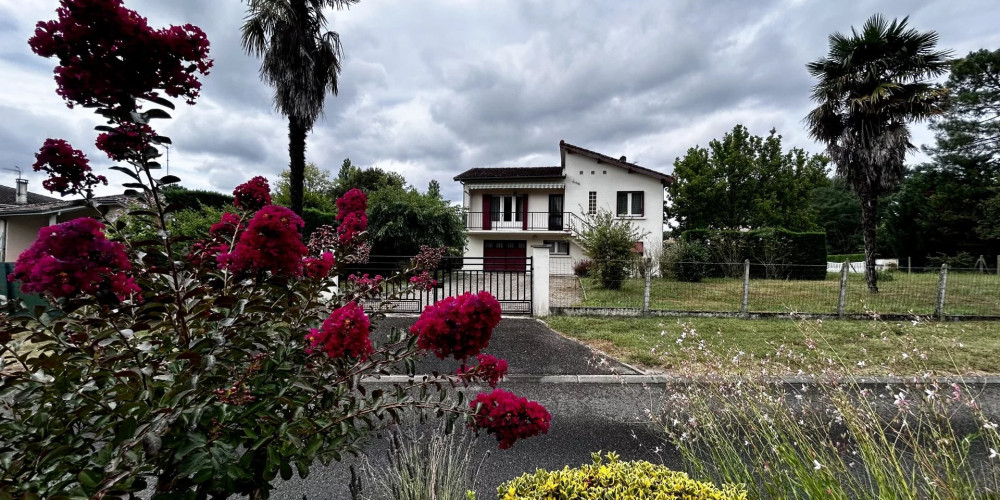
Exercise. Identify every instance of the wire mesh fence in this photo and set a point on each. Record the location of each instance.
(751, 288)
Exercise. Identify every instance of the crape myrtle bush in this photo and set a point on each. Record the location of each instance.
(784, 254)
(208, 371)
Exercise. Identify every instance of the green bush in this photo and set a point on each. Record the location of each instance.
(685, 261)
(615, 479)
(961, 260)
(774, 253)
(609, 242)
(314, 218)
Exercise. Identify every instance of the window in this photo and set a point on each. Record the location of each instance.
(557, 247)
(592, 203)
(630, 204)
(507, 208)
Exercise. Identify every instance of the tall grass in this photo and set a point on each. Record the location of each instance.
(422, 466)
(822, 433)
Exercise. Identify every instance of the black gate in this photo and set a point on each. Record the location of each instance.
(455, 276)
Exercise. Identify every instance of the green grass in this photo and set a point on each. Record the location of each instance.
(966, 347)
(967, 294)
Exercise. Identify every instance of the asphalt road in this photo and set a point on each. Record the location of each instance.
(529, 347)
(585, 418)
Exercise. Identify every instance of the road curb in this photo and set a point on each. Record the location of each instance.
(674, 379)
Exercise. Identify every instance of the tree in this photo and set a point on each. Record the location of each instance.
(403, 219)
(434, 188)
(317, 189)
(744, 181)
(368, 180)
(301, 60)
(969, 131)
(838, 212)
(610, 242)
(870, 85)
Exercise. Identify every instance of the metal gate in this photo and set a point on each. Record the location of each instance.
(455, 276)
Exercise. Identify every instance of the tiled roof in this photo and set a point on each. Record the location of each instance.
(566, 147)
(8, 196)
(484, 173)
(45, 204)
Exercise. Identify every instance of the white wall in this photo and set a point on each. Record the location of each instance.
(607, 181)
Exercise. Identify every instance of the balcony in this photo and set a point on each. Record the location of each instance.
(562, 222)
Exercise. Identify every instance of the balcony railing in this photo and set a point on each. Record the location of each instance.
(532, 221)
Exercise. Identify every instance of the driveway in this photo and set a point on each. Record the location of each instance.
(530, 348)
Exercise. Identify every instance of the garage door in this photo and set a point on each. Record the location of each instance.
(505, 255)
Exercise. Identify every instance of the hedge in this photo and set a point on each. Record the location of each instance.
(787, 254)
(195, 198)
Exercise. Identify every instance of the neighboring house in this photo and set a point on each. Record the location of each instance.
(513, 208)
(23, 214)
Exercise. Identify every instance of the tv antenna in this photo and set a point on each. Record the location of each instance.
(15, 169)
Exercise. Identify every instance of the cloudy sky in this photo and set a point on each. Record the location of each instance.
(434, 87)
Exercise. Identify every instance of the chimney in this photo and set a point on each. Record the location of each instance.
(622, 159)
(22, 192)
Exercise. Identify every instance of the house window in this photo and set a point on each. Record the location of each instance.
(557, 247)
(507, 208)
(592, 203)
(630, 204)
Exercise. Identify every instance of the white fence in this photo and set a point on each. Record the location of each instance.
(859, 267)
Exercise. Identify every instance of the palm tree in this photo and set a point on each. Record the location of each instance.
(870, 85)
(301, 60)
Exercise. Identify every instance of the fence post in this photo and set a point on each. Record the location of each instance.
(645, 293)
(540, 280)
(745, 303)
(942, 285)
(842, 300)
(908, 266)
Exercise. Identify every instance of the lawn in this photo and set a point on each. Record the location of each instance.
(967, 294)
(688, 345)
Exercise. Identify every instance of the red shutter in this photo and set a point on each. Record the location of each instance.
(524, 223)
(487, 219)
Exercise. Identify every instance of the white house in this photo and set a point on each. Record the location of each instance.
(23, 214)
(512, 208)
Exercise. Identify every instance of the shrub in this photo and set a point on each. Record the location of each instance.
(583, 268)
(779, 253)
(201, 375)
(614, 479)
(610, 243)
(961, 260)
(438, 465)
(685, 261)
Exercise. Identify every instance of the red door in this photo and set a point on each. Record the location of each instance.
(505, 255)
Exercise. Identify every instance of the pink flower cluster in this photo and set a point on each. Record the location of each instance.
(509, 417)
(490, 370)
(429, 258)
(127, 141)
(313, 267)
(345, 333)
(222, 234)
(68, 168)
(109, 55)
(73, 258)
(351, 213)
(458, 326)
(252, 195)
(423, 280)
(270, 242)
(322, 239)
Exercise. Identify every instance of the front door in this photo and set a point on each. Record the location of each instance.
(505, 255)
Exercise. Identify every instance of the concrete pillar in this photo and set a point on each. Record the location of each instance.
(540, 280)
